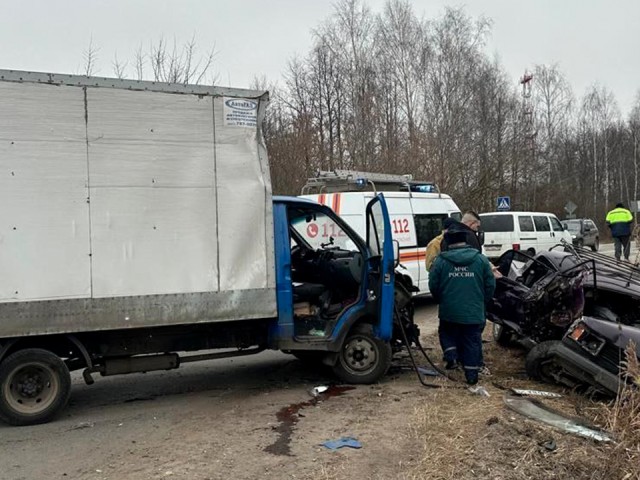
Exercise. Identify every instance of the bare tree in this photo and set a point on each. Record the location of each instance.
(119, 68)
(90, 57)
(168, 63)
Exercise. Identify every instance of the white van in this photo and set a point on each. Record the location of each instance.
(416, 217)
(527, 231)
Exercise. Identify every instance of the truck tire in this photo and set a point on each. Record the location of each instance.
(363, 357)
(596, 245)
(34, 387)
(539, 362)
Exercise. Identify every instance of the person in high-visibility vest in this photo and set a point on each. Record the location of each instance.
(619, 221)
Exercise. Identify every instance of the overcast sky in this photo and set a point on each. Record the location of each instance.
(591, 40)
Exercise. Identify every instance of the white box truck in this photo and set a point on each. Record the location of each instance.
(137, 223)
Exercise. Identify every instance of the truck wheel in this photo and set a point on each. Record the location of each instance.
(34, 387)
(502, 335)
(539, 362)
(596, 245)
(363, 357)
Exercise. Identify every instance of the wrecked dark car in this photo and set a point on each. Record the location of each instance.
(589, 355)
(542, 300)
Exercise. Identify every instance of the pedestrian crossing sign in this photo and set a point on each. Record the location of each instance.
(504, 204)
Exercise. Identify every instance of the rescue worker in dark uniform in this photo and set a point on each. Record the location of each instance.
(619, 221)
(462, 282)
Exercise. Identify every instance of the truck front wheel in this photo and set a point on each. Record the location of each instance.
(363, 357)
(34, 387)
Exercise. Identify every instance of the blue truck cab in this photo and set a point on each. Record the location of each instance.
(335, 290)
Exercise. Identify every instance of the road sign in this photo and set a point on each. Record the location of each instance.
(570, 207)
(504, 204)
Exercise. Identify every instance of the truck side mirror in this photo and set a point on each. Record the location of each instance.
(396, 253)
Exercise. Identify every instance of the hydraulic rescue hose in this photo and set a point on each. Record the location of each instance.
(413, 360)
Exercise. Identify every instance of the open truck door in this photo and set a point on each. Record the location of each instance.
(365, 355)
(381, 250)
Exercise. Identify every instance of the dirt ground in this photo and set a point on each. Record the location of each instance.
(254, 417)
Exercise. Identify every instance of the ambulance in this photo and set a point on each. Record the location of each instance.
(417, 210)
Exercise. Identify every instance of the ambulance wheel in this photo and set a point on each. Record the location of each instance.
(34, 387)
(363, 357)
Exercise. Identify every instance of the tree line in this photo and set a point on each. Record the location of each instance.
(391, 92)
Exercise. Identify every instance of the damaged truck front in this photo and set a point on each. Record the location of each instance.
(137, 222)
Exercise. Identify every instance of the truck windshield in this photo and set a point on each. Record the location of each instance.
(496, 223)
(321, 231)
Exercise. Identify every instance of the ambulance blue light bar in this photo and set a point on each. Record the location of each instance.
(426, 188)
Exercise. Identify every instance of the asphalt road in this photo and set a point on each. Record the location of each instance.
(196, 422)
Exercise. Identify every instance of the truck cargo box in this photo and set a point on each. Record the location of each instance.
(131, 204)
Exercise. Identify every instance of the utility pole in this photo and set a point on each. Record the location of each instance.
(528, 128)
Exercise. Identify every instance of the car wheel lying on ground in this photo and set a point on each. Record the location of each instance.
(575, 311)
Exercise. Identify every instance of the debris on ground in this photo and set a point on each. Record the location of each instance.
(534, 393)
(540, 412)
(315, 391)
(478, 390)
(549, 445)
(342, 442)
(428, 372)
(82, 425)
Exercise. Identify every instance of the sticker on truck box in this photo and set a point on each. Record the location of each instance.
(240, 112)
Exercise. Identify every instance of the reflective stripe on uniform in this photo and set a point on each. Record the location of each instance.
(470, 368)
(449, 349)
(619, 215)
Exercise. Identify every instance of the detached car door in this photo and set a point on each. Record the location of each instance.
(381, 261)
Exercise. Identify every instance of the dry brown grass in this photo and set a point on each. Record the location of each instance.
(466, 437)
(623, 419)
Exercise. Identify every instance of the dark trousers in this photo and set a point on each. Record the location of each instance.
(620, 244)
(462, 343)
